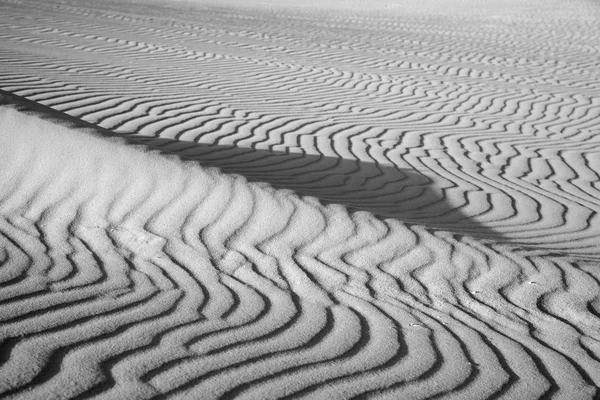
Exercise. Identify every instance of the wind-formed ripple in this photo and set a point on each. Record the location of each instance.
(302, 204)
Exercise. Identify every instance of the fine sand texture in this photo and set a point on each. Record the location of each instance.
(339, 200)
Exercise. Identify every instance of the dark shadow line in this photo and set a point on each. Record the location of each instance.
(385, 191)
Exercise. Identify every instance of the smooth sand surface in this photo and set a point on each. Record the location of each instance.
(329, 201)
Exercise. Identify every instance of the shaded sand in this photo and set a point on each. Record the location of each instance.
(130, 274)
(386, 191)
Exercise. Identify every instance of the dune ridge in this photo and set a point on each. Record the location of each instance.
(496, 105)
(131, 274)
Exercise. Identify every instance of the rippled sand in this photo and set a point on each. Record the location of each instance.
(329, 201)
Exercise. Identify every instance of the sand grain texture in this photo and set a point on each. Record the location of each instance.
(405, 205)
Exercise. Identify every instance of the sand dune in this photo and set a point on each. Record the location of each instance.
(127, 274)
(495, 107)
(216, 200)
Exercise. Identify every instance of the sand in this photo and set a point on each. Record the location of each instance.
(216, 200)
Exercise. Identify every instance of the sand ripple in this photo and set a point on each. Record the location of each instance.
(495, 108)
(128, 274)
(449, 249)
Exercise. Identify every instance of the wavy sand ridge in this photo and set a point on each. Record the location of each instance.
(129, 274)
(493, 107)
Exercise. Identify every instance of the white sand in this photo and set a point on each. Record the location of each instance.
(491, 107)
(125, 273)
(128, 274)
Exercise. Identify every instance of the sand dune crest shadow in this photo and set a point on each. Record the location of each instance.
(386, 191)
(383, 190)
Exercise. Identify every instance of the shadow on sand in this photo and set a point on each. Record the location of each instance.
(386, 191)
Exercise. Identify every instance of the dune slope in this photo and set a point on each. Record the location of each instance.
(475, 117)
(388, 199)
(130, 274)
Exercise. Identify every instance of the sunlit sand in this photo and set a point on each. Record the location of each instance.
(335, 200)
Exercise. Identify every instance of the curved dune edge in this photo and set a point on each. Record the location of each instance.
(492, 107)
(129, 274)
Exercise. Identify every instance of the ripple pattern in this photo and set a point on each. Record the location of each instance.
(141, 276)
(495, 107)
(413, 211)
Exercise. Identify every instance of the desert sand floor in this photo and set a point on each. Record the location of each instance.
(350, 199)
